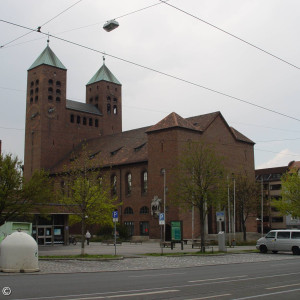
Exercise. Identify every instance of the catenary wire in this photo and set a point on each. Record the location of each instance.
(230, 34)
(158, 72)
(32, 30)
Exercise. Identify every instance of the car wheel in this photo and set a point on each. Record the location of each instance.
(296, 250)
(263, 249)
(274, 251)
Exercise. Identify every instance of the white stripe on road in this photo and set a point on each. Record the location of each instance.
(203, 280)
(266, 295)
(156, 275)
(210, 297)
(282, 286)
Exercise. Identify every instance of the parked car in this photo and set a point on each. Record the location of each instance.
(280, 240)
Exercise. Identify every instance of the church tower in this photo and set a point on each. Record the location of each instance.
(45, 112)
(104, 91)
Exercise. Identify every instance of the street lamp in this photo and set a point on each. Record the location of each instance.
(233, 207)
(262, 206)
(110, 25)
(163, 172)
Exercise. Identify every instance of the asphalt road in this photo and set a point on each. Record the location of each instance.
(278, 279)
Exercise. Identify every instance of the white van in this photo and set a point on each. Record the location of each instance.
(280, 240)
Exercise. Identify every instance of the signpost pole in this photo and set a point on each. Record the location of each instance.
(115, 238)
(115, 220)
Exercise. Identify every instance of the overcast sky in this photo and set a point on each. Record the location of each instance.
(169, 41)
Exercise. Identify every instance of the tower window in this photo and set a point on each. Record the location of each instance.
(32, 83)
(115, 110)
(108, 98)
(96, 123)
(50, 81)
(31, 99)
(58, 91)
(31, 92)
(96, 105)
(91, 100)
(115, 99)
(78, 119)
(116, 89)
(57, 99)
(50, 98)
(90, 122)
(108, 109)
(72, 118)
(84, 120)
(37, 82)
(36, 99)
(50, 90)
(108, 87)
(96, 99)
(37, 90)
(58, 83)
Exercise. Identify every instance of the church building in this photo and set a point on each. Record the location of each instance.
(56, 127)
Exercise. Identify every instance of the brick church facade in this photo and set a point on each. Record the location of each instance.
(56, 127)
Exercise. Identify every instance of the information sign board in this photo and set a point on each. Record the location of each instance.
(115, 216)
(161, 219)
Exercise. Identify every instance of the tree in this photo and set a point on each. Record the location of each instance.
(17, 196)
(199, 181)
(86, 191)
(247, 200)
(290, 193)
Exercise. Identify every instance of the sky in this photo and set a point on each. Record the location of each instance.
(172, 42)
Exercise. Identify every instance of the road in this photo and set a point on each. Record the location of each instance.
(261, 280)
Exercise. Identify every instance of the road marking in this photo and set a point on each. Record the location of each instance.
(157, 275)
(126, 295)
(218, 278)
(210, 297)
(282, 286)
(266, 295)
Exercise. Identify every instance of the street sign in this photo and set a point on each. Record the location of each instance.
(220, 216)
(115, 216)
(161, 219)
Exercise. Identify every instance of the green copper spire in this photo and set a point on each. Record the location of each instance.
(48, 57)
(104, 74)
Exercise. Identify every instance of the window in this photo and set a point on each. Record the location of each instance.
(115, 99)
(31, 99)
(108, 99)
(50, 98)
(115, 111)
(58, 91)
(144, 228)
(50, 81)
(108, 109)
(295, 235)
(91, 100)
(78, 119)
(32, 83)
(31, 92)
(57, 99)
(144, 210)
(36, 90)
(271, 235)
(36, 99)
(275, 187)
(277, 219)
(84, 120)
(37, 82)
(128, 211)
(58, 83)
(50, 90)
(144, 182)
(128, 183)
(72, 118)
(130, 227)
(62, 187)
(90, 122)
(96, 123)
(283, 235)
(96, 99)
(114, 184)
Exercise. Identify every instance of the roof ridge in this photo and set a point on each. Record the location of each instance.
(104, 74)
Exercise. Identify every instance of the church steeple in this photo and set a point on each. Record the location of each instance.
(104, 74)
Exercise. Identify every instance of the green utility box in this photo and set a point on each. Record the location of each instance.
(10, 227)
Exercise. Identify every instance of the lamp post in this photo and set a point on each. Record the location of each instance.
(163, 172)
(262, 207)
(229, 216)
(233, 207)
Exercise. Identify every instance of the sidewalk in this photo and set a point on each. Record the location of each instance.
(127, 249)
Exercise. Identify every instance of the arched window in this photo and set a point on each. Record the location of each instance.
(50, 98)
(96, 123)
(108, 109)
(115, 109)
(114, 184)
(144, 210)
(37, 82)
(108, 99)
(57, 99)
(115, 99)
(50, 90)
(90, 122)
(78, 119)
(91, 100)
(50, 81)
(128, 183)
(36, 99)
(32, 83)
(84, 120)
(37, 90)
(96, 99)
(31, 99)
(58, 91)
(31, 92)
(58, 83)
(72, 118)
(144, 182)
(128, 211)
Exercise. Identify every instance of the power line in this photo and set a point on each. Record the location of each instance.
(160, 72)
(230, 34)
(271, 141)
(39, 27)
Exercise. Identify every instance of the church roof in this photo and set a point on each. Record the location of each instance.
(171, 121)
(48, 57)
(83, 107)
(104, 74)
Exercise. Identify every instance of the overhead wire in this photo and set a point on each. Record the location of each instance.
(39, 27)
(230, 34)
(158, 72)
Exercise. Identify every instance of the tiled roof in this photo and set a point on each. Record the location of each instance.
(48, 57)
(104, 74)
(240, 137)
(276, 170)
(203, 121)
(171, 121)
(83, 107)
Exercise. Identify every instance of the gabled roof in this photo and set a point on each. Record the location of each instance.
(104, 74)
(240, 137)
(83, 107)
(203, 121)
(171, 121)
(48, 57)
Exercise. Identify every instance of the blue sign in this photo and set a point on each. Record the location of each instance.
(161, 219)
(115, 214)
